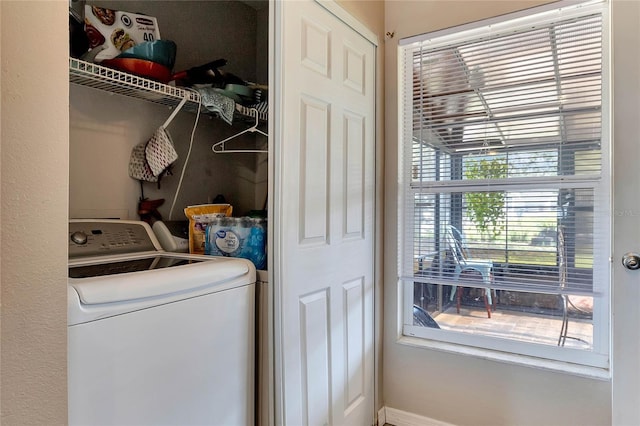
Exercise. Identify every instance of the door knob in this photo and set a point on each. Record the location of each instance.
(631, 261)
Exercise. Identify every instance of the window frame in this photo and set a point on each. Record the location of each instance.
(597, 360)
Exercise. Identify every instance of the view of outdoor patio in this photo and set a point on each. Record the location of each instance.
(525, 281)
(534, 266)
(541, 323)
(503, 195)
(523, 326)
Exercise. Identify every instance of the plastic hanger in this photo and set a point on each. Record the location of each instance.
(176, 110)
(219, 146)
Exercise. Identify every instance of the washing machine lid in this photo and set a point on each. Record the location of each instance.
(154, 276)
(129, 265)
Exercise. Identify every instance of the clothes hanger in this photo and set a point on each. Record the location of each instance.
(219, 146)
(176, 110)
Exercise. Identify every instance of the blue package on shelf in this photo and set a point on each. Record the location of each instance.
(244, 237)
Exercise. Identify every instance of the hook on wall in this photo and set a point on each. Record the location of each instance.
(390, 34)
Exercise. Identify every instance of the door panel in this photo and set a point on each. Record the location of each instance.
(314, 170)
(354, 179)
(354, 331)
(325, 172)
(315, 357)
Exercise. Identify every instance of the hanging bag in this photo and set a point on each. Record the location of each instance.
(138, 166)
(151, 158)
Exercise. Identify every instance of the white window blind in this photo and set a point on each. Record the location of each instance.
(505, 157)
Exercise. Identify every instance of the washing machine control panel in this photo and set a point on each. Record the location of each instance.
(97, 238)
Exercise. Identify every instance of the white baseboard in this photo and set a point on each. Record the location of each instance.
(382, 416)
(403, 418)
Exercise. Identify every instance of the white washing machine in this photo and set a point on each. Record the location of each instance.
(156, 338)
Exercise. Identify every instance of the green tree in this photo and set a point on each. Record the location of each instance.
(486, 209)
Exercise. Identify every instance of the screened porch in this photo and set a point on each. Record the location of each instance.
(505, 205)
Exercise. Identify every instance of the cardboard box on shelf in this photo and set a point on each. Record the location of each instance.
(115, 31)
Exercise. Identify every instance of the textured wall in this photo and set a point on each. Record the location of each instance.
(369, 13)
(34, 185)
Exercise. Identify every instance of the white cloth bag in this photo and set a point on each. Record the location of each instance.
(151, 158)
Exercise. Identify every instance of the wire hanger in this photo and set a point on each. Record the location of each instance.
(219, 146)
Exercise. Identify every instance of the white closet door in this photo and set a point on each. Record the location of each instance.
(325, 242)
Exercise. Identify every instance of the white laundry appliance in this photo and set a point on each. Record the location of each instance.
(156, 338)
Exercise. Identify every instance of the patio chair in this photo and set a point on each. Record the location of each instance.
(463, 262)
(565, 298)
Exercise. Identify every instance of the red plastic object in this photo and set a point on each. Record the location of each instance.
(140, 67)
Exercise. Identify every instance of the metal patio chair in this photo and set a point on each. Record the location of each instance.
(465, 263)
(565, 298)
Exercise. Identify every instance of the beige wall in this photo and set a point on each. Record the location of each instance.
(369, 13)
(463, 390)
(34, 185)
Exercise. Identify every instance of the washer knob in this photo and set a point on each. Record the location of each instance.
(79, 238)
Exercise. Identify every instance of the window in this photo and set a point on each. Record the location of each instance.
(505, 191)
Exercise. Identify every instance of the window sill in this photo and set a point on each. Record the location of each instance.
(508, 358)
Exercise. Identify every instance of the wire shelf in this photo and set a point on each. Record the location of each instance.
(114, 81)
